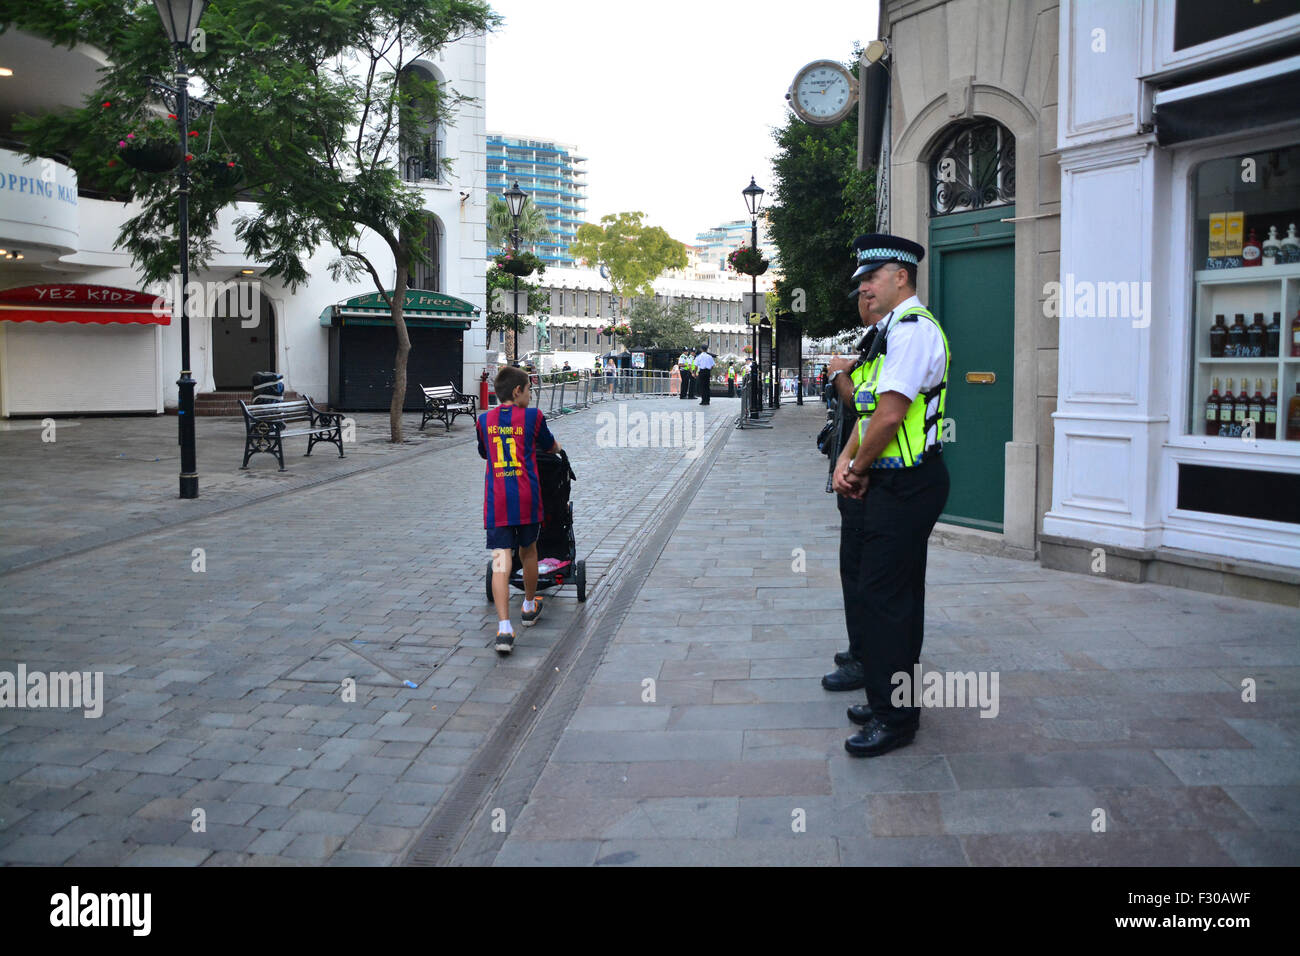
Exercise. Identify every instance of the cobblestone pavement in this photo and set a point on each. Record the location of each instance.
(1119, 698)
(223, 686)
(223, 692)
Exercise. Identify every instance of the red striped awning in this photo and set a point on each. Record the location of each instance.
(86, 304)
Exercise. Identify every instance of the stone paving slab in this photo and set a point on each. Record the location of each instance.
(208, 703)
(1120, 698)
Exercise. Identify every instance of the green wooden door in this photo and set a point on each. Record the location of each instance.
(972, 286)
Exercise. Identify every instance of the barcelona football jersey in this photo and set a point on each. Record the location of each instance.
(509, 437)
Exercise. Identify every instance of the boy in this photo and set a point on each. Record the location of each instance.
(508, 437)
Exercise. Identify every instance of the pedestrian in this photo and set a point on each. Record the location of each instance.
(704, 362)
(894, 465)
(731, 380)
(609, 375)
(509, 435)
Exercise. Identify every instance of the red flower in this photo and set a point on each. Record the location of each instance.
(107, 105)
(112, 162)
(189, 157)
(194, 132)
(231, 165)
(171, 115)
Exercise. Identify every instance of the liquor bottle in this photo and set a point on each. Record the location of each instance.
(1212, 410)
(1242, 411)
(1255, 410)
(1237, 337)
(1255, 337)
(1290, 251)
(1293, 416)
(1218, 337)
(1227, 411)
(1295, 335)
(1272, 335)
(1269, 429)
(1251, 252)
(1272, 245)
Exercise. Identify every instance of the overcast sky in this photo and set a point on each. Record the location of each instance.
(673, 102)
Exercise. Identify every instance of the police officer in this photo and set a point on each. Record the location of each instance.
(894, 464)
(704, 363)
(684, 368)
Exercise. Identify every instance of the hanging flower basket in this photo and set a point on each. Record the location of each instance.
(747, 261)
(152, 145)
(621, 329)
(221, 171)
(519, 263)
(748, 350)
(152, 155)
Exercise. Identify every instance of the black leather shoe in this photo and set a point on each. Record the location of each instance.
(861, 715)
(875, 739)
(850, 676)
(842, 658)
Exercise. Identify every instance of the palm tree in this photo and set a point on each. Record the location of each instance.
(532, 223)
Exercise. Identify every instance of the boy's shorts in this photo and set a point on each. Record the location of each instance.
(512, 536)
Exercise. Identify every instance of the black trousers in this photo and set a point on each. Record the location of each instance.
(685, 391)
(883, 577)
(704, 375)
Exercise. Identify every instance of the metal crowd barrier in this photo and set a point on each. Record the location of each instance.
(747, 417)
(561, 393)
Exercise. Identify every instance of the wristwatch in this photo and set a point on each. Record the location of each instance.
(838, 371)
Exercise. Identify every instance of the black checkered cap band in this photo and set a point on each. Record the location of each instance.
(883, 254)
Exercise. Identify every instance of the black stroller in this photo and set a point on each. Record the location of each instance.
(556, 550)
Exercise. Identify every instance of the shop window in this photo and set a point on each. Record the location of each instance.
(973, 168)
(1200, 21)
(1246, 299)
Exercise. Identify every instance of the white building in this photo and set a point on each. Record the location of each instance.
(62, 351)
(1063, 161)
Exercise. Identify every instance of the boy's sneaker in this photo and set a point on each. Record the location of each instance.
(530, 617)
(505, 642)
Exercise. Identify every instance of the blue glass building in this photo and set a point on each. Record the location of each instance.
(552, 175)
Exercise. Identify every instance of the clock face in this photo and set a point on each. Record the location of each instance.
(823, 93)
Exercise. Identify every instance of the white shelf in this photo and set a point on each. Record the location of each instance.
(1247, 274)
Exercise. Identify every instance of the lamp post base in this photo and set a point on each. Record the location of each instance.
(189, 485)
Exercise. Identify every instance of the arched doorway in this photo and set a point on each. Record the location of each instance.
(972, 185)
(243, 338)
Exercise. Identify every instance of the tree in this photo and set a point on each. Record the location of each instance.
(820, 203)
(500, 224)
(501, 316)
(655, 325)
(317, 102)
(634, 254)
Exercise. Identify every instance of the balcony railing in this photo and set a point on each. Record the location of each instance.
(424, 164)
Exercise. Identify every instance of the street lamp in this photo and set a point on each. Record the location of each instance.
(753, 194)
(515, 200)
(180, 18)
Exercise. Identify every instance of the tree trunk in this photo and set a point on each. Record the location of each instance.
(403, 347)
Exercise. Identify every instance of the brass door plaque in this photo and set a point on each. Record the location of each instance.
(981, 378)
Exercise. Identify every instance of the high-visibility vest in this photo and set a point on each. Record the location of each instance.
(731, 374)
(918, 434)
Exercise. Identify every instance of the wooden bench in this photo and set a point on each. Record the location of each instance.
(267, 425)
(444, 402)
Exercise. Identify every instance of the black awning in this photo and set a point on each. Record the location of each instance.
(874, 95)
(1240, 102)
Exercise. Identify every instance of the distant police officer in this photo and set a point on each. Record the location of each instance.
(894, 463)
(704, 363)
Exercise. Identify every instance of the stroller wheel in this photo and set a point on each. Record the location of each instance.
(490, 599)
(580, 579)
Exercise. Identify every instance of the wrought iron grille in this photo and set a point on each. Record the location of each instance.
(975, 167)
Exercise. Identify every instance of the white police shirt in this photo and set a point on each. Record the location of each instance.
(914, 354)
(704, 360)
